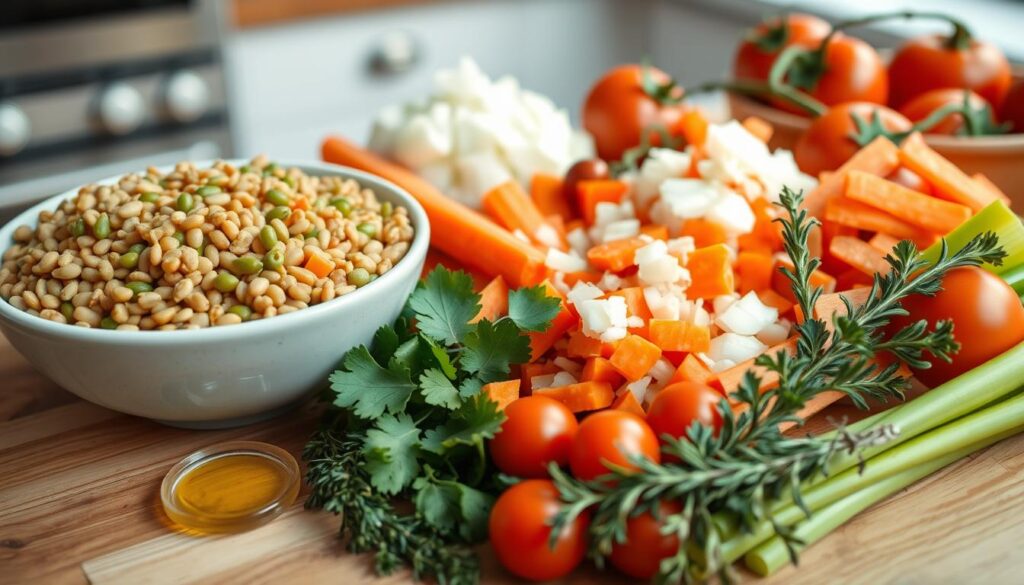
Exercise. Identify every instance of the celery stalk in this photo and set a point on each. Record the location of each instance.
(1015, 278)
(996, 217)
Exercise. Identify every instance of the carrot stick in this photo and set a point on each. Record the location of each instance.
(616, 255)
(852, 213)
(994, 189)
(582, 396)
(599, 369)
(674, 335)
(590, 193)
(437, 258)
(692, 369)
(929, 213)
(859, 254)
(816, 404)
(884, 243)
(947, 179)
(627, 401)
(782, 285)
(880, 157)
(460, 232)
(834, 305)
(547, 194)
(493, 300)
(565, 319)
(634, 356)
(729, 380)
(711, 272)
(504, 393)
(759, 127)
(509, 205)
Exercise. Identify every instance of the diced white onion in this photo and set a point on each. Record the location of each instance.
(568, 365)
(583, 291)
(734, 347)
(558, 260)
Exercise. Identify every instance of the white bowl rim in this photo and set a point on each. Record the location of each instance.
(420, 243)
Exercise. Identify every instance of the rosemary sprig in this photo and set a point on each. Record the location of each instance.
(749, 464)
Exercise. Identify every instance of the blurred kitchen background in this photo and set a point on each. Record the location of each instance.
(92, 88)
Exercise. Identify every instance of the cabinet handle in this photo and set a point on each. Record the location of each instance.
(394, 53)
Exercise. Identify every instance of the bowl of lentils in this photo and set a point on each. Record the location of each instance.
(208, 294)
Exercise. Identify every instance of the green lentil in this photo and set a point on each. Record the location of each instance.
(129, 260)
(225, 282)
(68, 310)
(108, 323)
(277, 197)
(101, 229)
(268, 236)
(342, 205)
(367, 228)
(359, 277)
(386, 209)
(274, 259)
(149, 197)
(139, 287)
(280, 212)
(180, 236)
(247, 265)
(78, 227)
(185, 202)
(207, 190)
(242, 311)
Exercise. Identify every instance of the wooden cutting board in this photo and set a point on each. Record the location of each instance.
(79, 501)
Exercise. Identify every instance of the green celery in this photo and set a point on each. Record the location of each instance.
(996, 217)
(1015, 278)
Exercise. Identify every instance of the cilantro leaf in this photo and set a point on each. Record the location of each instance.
(490, 349)
(475, 509)
(437, 502)
(439, 390)
(385, 342)
(445, 304)
(531, 308)
(390, 449)
(476, 420)
(442, 357)
(470, 387)
(369, 388)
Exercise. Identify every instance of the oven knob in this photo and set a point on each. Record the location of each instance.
(15, 129)
(186, 96)
(120, 109)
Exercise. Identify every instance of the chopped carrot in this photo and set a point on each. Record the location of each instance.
(582, 396)
(852, 213)
(859, 254)
(583, 346)
(759, 127)
(627, 401)
(301, 203)
(729, 380)
(527, 372)
(541, 341)
(994, 189)
(773, 299)
(852, 278)
(634, 356)
(547, 194)
(615, 256)
(782, 285)
(913, 207)
(493, 300)
(703, 232)
(694, 127)
(883, 242)
(880, 157)
(636, 304)
(675, 335)
(318, 265)
(692, 369)
(464, 234)
(511, 207)
(504, 393)
(947, 179)
(816, 404)
(574, 224)
(590, 193)
(754, 271)
(599, 369)
(834, 305)
(571, 278)
(766, 229)
(655, 230)
(437, 258)
(711, 270)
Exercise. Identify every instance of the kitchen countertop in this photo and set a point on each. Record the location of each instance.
(79, 501)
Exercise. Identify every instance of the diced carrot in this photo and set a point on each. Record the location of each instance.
(946, 178)
(627, 401)
(655, 230)
(692, 369)
(759, 127)
(636, 304)
(929, 213)
(464, 234)
(574, 224)
(301, 203)
(675, 335)
(880, 157)
(729, 380)
(853, 213)
(582, 396)
(994, 189)
(766, 229)
(511, 207)
(711, 272)
(504, 393)
(547, 194)
(782, 285)
(634, 356)
(754, 271)
(493, 300)
(773, 299)
(528, 372)
(571, 278)
(318, 265)
(599, 369)
(694, 127)
(859, 254)
(590, 193)
(558, 223)
(616, 255)
(883, 242)
(541, 341)
(583, 346)
(703, 232)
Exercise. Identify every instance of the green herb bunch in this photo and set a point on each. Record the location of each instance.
(409, 422)
(729, 481)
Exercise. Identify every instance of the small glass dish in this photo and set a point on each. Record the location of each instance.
(230, 487)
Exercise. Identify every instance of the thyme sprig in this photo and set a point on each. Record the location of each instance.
(749, 464)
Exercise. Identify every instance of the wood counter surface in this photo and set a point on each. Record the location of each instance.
(79, 502)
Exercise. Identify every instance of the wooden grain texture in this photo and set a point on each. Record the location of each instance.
(250, 13)
(79, 500)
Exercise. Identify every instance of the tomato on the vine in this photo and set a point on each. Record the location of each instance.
(538, 430)
(839, 133)
(520, 532)
(849, 70)
(677, 406)
(987, 315)
(940, 61)
(925, 104)
(612, 436)
(762, 44)
(627, 103)
(645, 546)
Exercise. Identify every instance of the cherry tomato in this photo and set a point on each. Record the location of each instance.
(676, 406)
(1013, 108)
(645, 545)
(520, 531)
(613, 436)
(926, 63)
(987, 316)
(763, 43)
(834, 137)
(618, 110)
(584, 170)
(852, 71)
(924, 104)
(910, 180)
(538, 430)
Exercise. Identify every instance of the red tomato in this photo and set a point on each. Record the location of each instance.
(618, 110)
(763, 43)
(538, 430)
(852, 71)
(676, 406)
(584, 170)
(910, 180)
(924, 104)
(612, 436)
(520, 531)
(834, 137)
(645, 545)
(927, 63)
(1013, 108)
(987, 316)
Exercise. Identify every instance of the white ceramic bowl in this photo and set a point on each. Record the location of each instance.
(217, 376)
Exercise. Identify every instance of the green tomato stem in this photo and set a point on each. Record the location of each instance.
(762, 89)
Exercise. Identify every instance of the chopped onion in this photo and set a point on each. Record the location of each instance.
(558, 260)
(735, 348)
(584, 291)
(747, 316)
